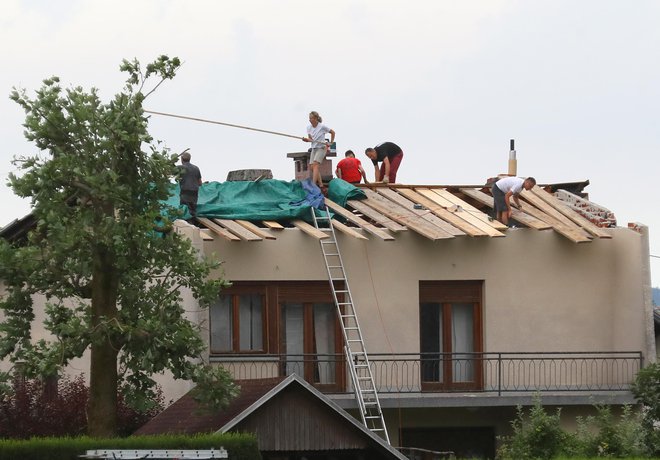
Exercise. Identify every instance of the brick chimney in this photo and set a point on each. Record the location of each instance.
(302, 170)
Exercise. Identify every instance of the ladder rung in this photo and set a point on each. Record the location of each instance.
(344, 303)
(351, 328)
(332, 254)
(348, 316)
(371, 417)
(330, 241)
(338, 279)
(343, 291)
(335, 266)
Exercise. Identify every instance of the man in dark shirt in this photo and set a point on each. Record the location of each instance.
(390, 155)
(189, 182)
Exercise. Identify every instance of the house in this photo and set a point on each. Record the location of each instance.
(463, 319)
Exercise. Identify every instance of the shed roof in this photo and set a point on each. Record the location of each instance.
(253, 411)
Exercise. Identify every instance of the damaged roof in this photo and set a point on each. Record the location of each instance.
(384, 210)
(436, 213)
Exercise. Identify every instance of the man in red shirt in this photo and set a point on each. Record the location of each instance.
(350, 169)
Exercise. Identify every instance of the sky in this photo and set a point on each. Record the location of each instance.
(575, 82)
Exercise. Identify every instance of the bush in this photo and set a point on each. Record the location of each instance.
(538, 436)
(646, 389)
(38, 409)
(603, 435)
(239, 446)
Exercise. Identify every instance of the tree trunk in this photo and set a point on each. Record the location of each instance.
(102, 409)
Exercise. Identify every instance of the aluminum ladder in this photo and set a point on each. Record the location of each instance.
(356, 354)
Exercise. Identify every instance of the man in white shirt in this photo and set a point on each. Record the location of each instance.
(504, 189)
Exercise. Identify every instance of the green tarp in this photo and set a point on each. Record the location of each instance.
(341, 191)
(268, 199)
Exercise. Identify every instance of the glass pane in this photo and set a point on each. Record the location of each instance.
(292, 315)
(250, 310)
(431, 341)
(221, 324)
(462, 341)
(324, 342)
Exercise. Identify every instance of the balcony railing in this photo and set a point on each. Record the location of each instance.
(449, 372)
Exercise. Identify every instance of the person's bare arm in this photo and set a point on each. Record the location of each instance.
(364, 174)
(338, 172)
(377, 175)
(386, 177)
(332, 135)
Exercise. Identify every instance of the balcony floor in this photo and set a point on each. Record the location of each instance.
(427, 400)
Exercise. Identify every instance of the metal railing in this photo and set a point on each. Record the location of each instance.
(448, 372)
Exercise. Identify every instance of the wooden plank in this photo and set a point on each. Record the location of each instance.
(238, 230)
(205, 233)
(517, 215)
(567, 226)
(465, 215)
(359, 221)
(423, 213)
(218, 230)
(347, 230)
(442, 212)
(556, 225)
(310, 230)
(403, 216)
(272, 225)
(254, 229)
(376, 216)
(446, 194)
(570, 213)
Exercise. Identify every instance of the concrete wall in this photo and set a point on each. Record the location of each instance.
(541, 291)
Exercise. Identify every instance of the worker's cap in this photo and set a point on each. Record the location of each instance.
(185, 156)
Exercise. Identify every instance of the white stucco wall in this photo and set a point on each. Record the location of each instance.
(541, 291)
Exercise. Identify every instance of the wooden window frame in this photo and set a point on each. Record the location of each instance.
(235, 292)
(275, 293)
(446, 293)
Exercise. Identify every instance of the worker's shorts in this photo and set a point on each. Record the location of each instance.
(317, 155)
(499, 198)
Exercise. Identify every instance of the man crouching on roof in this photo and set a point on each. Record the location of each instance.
(504, 189)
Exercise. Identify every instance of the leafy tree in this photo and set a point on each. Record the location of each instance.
(112, 283)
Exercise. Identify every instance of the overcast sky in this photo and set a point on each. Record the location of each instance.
(576, 83)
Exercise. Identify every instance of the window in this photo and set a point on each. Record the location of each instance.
(450, 335)
(237, 322)
(292, 324)
(310, 335)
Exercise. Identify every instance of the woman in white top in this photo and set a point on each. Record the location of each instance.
(316, 132)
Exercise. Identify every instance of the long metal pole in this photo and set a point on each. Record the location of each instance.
(222, 123)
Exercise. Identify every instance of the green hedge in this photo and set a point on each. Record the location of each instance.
(239, 446)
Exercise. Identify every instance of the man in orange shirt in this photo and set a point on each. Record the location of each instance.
(350, 169)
